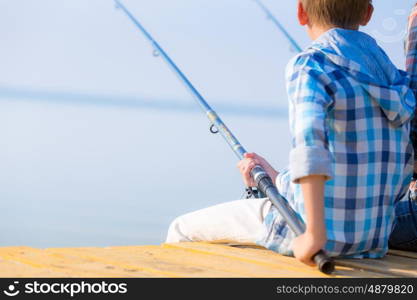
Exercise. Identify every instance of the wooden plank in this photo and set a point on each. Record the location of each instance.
(41, 263)
(264, 257)
(101, 268)
(210, 263)
(143, 258)
(186, 260)
(12, 269)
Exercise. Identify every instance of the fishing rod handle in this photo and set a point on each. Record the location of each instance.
(264, 183)
(325, 263)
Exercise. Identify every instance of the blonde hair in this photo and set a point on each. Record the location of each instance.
(346, 14)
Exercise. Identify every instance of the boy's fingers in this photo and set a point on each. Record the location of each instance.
(306, 259)
(250, 155)
(247, 177)
(248, 182)
(247, 162)
(257, 162)
(240, 164)
(244, 162)
(308, 262)
(245, 167)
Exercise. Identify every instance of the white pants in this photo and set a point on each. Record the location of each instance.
(237, 221)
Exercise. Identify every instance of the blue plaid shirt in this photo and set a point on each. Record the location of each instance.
(350, 111)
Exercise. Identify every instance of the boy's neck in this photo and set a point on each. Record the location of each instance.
(316, 31)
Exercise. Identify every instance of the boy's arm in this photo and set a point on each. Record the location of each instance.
(311, 162)
(411, 67)
(314, 238)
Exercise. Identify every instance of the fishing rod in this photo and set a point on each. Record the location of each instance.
(262, 179)
(279, 25)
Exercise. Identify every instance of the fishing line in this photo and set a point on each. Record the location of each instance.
(274, 20)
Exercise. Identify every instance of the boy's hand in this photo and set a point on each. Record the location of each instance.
(413, 185)
(413, 190)
(246, 165)
(306, 246)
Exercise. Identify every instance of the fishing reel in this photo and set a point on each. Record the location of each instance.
(253, 193)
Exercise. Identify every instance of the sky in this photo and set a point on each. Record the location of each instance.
(228, 49)
(100, 144)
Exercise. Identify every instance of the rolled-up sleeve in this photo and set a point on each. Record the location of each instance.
(309, 101)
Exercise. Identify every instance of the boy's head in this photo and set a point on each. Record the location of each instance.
(326, 14)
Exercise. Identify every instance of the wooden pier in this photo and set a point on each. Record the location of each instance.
(186, 260)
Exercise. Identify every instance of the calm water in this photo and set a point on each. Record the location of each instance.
(84, 175)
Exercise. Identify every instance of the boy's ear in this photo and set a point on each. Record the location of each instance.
(302, 14)
(368, 15)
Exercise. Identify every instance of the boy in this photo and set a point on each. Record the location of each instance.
(404, 233)
(351, 156)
